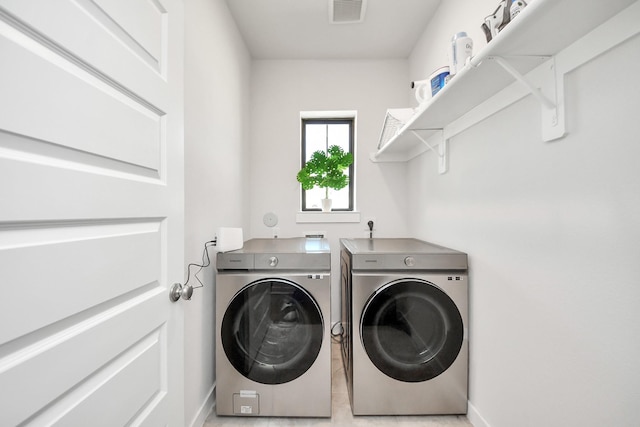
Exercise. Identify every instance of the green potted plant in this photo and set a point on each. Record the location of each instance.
(326, 170)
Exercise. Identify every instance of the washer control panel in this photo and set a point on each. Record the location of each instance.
(297, 254)
(409, 261)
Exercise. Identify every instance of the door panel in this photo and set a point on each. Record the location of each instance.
(71, 357)
(139, 43)
(72, 107)
(111, 388)
(91, 212)
(141, 20)
(98, 255)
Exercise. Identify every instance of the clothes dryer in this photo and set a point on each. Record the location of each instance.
(405, 345)
(273, 341)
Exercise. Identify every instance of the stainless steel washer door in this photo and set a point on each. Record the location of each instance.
(411, 330)
(272, 331)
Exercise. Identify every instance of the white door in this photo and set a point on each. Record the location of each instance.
(91, 212)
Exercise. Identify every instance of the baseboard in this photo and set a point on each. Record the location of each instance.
(205, 409)
(474, 417)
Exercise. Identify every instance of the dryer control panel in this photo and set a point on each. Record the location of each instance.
(402, 254)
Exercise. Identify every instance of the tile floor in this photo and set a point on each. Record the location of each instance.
(341, 412)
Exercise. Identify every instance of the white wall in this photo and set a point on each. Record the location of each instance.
(217, 67)
(553, 237)
(281, 89)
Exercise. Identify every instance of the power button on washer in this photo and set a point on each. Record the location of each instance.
(409, 261)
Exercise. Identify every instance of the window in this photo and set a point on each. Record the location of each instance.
(320, 134)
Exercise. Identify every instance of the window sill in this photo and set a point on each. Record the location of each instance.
(327, 217)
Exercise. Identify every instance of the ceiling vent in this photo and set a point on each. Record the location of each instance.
(346, 11)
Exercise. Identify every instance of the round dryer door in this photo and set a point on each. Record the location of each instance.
(272, 331)
(411, 330)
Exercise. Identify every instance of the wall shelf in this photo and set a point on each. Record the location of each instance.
(531, 42)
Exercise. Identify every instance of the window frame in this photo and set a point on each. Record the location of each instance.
(351, 121)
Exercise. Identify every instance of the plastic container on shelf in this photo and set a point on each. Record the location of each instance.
(461, 51)
(438, 79)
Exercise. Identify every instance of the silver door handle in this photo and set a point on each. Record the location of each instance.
(178, 291)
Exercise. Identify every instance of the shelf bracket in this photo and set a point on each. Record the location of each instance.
(522, 79)
(550, 96)
(442, 150)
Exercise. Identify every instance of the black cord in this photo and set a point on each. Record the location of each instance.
(207, 263)
(337, 337)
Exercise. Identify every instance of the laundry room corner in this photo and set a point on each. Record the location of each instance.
(217, 68)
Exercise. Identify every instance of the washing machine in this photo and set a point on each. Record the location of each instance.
(404, 314)
(273, 340)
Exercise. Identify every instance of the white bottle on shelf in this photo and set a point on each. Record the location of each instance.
(461, 51)
(516, 7)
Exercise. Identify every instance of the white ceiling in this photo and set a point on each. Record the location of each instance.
(300, 29)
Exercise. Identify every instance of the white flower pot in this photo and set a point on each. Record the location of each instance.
(326, 205)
